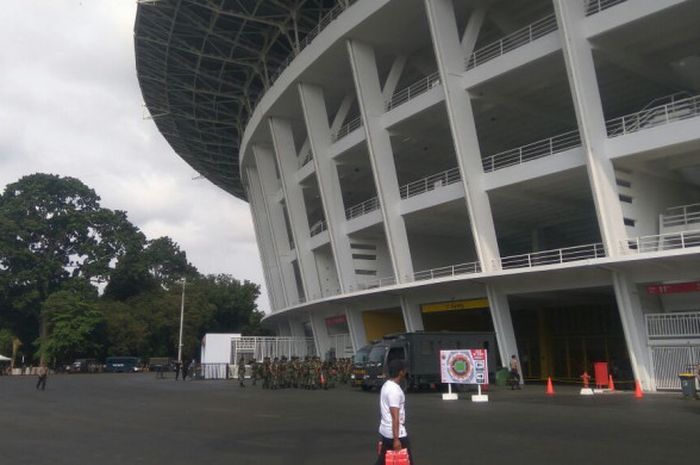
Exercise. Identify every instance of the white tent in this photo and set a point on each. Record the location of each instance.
(5, 359)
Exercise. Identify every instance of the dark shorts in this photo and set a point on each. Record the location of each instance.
(388, 444)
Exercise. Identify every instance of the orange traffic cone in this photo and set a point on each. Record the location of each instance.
(611, 385)
(638, 394)
(550, 388)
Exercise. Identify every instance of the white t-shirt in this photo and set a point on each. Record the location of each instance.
(392, 396)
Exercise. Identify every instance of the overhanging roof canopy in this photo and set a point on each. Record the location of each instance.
(203, 65)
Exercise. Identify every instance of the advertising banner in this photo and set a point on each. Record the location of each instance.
(465, 366)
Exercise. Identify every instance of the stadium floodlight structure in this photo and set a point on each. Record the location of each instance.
(527, 167)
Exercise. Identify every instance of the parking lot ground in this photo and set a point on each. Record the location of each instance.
(137, 419)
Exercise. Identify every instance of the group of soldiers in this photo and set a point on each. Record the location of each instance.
(297, 373)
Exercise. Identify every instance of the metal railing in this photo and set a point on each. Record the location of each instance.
(553, 257)
(430, 183)
(362, 208)
(675, 110)
(673, 325)
(306, 158)
(668, 361)
(447, 271)
(532, 151)
(662, 242)
(596, 6)
(347, 128)
(373, 284)
(318, 228)
(539, 28)
(261, 347)
(331, 15)
(414, 90)
(341, 346)
(681, 216)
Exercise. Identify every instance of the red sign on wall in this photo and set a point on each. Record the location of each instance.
(676, 288)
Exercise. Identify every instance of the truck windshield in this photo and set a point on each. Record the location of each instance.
(361, 356)
(377, 354)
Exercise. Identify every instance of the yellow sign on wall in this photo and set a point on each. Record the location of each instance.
(454, 305)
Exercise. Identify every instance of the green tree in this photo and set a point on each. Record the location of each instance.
(76, 328)
(6, 338)
(52, 229)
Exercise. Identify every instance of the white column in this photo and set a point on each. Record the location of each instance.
(633, 325)
(358, 336)
(580, 68)
(503, 325)
(265, 163)
(392, 80)
(318, 326)
(450, 60)
(412, 316)
(316, 118)
(283, 141)
(369, 94)
(263, 239)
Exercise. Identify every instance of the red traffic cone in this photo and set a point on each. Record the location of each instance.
(611, 385)
(638, 394)
(550, 387)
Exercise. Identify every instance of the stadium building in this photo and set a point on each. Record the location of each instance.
(530, 167)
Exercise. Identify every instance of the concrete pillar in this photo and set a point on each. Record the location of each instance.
(316, 118)
(412, 316)
(264, 240)
(450, 60)
(503, 325)
(321, 339)
(265, 163)
(369, 94)
(283, 142)
(633, 325)
(578, 55)
(356, 327)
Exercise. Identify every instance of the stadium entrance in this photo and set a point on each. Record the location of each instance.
(561, 333)
(458, 315)
(379, 323)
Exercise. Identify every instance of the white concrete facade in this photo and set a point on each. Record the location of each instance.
(428, 151)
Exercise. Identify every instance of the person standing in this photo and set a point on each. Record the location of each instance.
(241, 372)
(178, 367)
(392, 406)
(184, 371)
(514, 373)
(191, 369)
(42, 373)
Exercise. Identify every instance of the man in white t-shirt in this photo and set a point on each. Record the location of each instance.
(392, 403)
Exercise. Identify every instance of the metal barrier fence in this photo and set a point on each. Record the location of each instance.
(512, 41)
(213, 371)
(261, 347)
(412, 91)
(668, 361)
(596, 6)
(447, 271)
(675, 110)
(532, 151)
(673, 325)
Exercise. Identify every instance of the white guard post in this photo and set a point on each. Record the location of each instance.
(449, 395)
(586, 391)
(480, 397)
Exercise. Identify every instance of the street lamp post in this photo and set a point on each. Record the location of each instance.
(182, 318)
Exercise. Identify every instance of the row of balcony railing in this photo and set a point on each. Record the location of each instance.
(306, 158)
(318, 228)
(663, 242)
(596, 6)
(681, 216)
(673, 325)
(417, 88)
(675, 110)
(362, 208)
(532, 151)
(347, 128)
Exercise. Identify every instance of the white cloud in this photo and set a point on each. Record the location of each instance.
(70, 105)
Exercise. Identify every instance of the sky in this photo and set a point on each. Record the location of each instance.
(70, 105)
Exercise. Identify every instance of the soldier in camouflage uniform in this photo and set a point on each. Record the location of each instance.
(267, 373)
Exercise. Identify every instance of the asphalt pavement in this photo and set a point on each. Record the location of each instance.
(136, 419)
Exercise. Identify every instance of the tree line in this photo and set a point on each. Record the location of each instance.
(78, 280)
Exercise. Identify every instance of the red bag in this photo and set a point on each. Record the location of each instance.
(397, 458)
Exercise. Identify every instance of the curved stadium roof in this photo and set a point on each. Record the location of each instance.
(203, 65)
